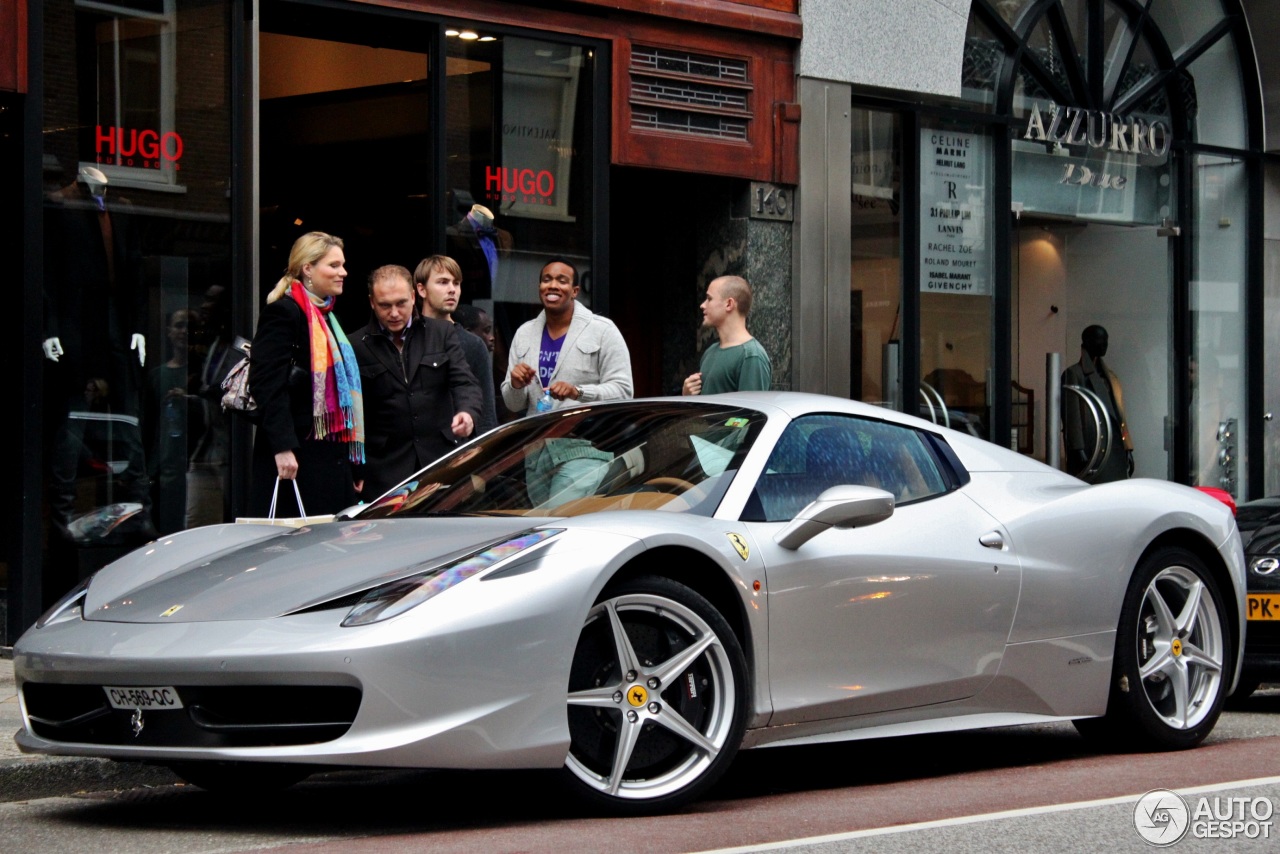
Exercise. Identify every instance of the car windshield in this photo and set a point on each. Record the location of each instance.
(673, 456)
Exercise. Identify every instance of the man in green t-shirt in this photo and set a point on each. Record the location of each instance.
(737, 362)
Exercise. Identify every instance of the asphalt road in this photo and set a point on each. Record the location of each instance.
(1027, 789)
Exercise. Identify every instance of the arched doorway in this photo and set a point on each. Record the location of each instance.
(1131, 155)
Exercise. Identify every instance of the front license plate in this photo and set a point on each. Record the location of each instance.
(143, 697)
(1263, 606)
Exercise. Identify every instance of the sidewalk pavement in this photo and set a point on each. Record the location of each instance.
(24, 776)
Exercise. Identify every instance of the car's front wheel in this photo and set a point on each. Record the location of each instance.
(1173, 657)
(657, 698)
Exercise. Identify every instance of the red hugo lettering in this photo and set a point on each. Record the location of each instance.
(124, 143)
(503, 179)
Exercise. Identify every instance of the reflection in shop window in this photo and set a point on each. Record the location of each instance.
(518, 170)
(539, 97)
(127, 101)
(875, 298)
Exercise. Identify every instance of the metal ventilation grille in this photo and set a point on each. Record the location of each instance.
(678, 62)
(689, 94)
(675, 121)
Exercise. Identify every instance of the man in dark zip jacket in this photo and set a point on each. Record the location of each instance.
(420, 398)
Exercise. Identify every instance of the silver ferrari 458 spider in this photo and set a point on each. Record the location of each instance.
(632, 592)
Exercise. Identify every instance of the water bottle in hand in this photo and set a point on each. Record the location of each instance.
(545, 403)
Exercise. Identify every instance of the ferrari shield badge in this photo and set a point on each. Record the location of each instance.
(739, 544)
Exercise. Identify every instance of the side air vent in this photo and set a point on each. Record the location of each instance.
(678, 92)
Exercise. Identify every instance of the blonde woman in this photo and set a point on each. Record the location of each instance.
(307, 383)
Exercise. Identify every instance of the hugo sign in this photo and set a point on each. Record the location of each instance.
(148, 149)
(510, 184)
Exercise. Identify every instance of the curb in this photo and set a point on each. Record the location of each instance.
(48, 777)
(29, 776)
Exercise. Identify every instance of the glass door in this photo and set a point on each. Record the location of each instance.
(1072, 275)
(346, 143)
(875, 263)
(957, 277)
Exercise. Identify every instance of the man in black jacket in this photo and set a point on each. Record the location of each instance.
(439, 283)
(420, 398)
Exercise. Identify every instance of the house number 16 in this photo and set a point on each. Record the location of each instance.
(769, 201)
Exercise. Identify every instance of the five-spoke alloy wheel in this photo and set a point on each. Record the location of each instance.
(657, 698)
(1173, 656)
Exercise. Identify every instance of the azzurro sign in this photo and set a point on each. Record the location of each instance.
(1098, 129)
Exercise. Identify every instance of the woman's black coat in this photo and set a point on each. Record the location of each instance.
(280, 380)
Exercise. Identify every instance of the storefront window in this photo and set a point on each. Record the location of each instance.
(136, 274)
(983, 56)
(1095, 191)
(1219, 111)
(1184, 22)
(518, 177)
(1011, 10)
(875, 298)
(1218, 423)
(957, 276)
(129, 108)
(345, 145)
(1270, 345)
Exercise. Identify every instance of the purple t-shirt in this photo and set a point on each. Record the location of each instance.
(548, 357)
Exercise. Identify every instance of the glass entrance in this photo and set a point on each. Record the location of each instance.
(957, 276)
(483, 151)
(346, 143)
(1071, 275)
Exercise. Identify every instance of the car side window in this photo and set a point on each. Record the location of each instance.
(817, 452)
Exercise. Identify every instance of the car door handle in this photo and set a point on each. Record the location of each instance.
(992, 540)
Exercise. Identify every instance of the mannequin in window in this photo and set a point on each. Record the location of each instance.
(94, 320)
(480, 248)
(1079, 433)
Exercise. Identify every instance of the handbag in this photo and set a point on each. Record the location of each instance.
(286, 521)
(236, 395)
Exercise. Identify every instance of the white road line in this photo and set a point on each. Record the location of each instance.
(991, 816)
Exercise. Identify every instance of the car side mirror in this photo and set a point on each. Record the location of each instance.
(838, 507)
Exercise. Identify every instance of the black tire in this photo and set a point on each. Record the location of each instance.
(1173, 657)
(676, 722)
(241, 779)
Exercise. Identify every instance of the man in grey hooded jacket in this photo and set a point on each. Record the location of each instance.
(567, 353)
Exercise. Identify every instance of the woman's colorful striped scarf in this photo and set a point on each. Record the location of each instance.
(337, 405)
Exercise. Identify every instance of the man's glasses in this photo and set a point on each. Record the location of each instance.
(547, 279)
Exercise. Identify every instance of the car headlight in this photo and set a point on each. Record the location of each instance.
(68, 607)
(394, 598)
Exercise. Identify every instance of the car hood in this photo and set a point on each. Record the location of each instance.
(247, 572)
(1259, 524)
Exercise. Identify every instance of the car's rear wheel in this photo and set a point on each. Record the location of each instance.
(1173, 657)
(657, 698)
(241, 778)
